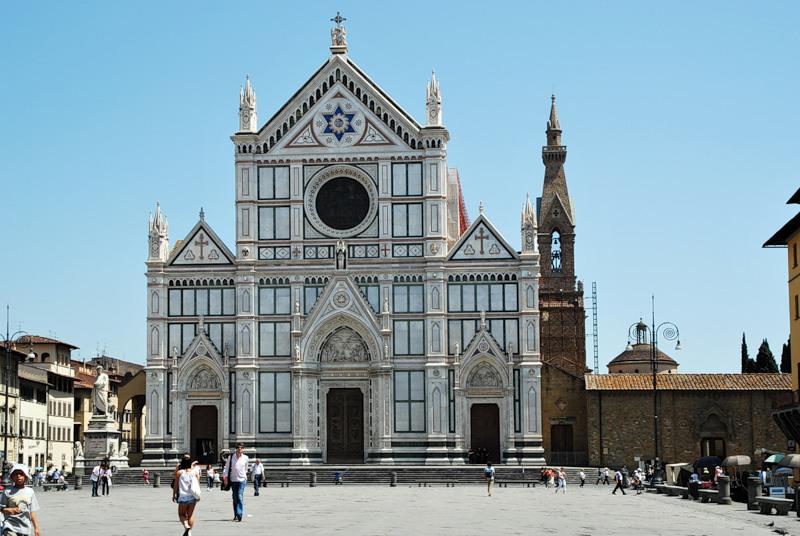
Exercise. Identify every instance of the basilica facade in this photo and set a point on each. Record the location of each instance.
(360, 317)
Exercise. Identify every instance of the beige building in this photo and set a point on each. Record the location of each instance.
(33, 420)
(53, 357)
(787, 415)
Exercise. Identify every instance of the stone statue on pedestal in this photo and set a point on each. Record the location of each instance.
(100, 393)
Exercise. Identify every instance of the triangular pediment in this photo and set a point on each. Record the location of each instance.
(554, 214)
(301, 123)
(201, 247)
(202, 346)
(340, 121)
(482, 241)
(341, 296)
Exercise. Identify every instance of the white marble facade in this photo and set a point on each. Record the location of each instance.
(358, 317)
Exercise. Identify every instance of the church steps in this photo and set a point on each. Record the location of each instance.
(367, 475)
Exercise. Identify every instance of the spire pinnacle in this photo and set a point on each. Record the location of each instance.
(528, 215)
(433, 101)
(202, 214)
(552, 123)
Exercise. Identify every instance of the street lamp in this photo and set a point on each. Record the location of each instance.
(670, 332)
(11, 340)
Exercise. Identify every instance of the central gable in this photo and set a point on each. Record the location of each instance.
(302, 122)
(339, 121)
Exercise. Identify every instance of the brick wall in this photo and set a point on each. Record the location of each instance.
(563, 402)
(742, 418)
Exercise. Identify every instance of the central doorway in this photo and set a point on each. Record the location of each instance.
(203, 434)
(345, 426)
(485, 433)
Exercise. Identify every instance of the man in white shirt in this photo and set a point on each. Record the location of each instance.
(258, 475)
(235, 472)
(96, 472)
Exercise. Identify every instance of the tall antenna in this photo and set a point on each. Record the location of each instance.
(594, 328)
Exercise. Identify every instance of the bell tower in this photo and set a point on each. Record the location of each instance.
(563, 340)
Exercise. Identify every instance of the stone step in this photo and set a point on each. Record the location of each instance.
(365, 474)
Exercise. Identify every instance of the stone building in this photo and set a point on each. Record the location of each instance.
(358, 318)
(699, 415)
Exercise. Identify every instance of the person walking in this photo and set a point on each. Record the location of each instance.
(561, 480)
(105, 479)
(95, 478)
(258, 475)
(582, 476)
(618, 480)
(186, 492)
(146, 477)
(210, 476)
(605, 477)
(19, 505)
(235, 472)
(488, 475)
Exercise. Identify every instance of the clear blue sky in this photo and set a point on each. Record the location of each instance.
(680, 117)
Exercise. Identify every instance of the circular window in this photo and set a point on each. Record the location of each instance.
(341, 201)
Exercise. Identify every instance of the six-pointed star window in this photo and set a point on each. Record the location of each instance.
(339, 123)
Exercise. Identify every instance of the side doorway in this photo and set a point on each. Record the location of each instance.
(485, 433)
(203, 434)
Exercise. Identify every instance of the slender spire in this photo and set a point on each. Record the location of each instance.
(552, 123)
(433, 101)
(202, 214)
(528, 214)
(248, 116)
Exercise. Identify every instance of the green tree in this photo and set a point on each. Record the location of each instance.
(745, 357)
(765, 361)
(786, 358)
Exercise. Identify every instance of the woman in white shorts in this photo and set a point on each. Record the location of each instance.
(186, 492)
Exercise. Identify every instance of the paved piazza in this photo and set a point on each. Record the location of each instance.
(350, 510)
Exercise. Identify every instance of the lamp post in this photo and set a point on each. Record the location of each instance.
(670, 332)
(10, 340)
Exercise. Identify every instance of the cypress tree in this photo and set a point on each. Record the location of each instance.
(786, 358)
(745, 357)
(765, 361)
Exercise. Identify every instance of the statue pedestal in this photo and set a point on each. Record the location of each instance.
(101, 443)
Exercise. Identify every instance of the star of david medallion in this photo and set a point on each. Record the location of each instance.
(339, 123)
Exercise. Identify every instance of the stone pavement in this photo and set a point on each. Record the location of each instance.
(381, 510)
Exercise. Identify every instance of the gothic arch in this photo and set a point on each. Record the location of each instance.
(484, 374)
(344, 345)
(312, 346)
(154, 302)
(213, 375)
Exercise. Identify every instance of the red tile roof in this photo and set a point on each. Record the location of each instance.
(689, 382)
(38, 339)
